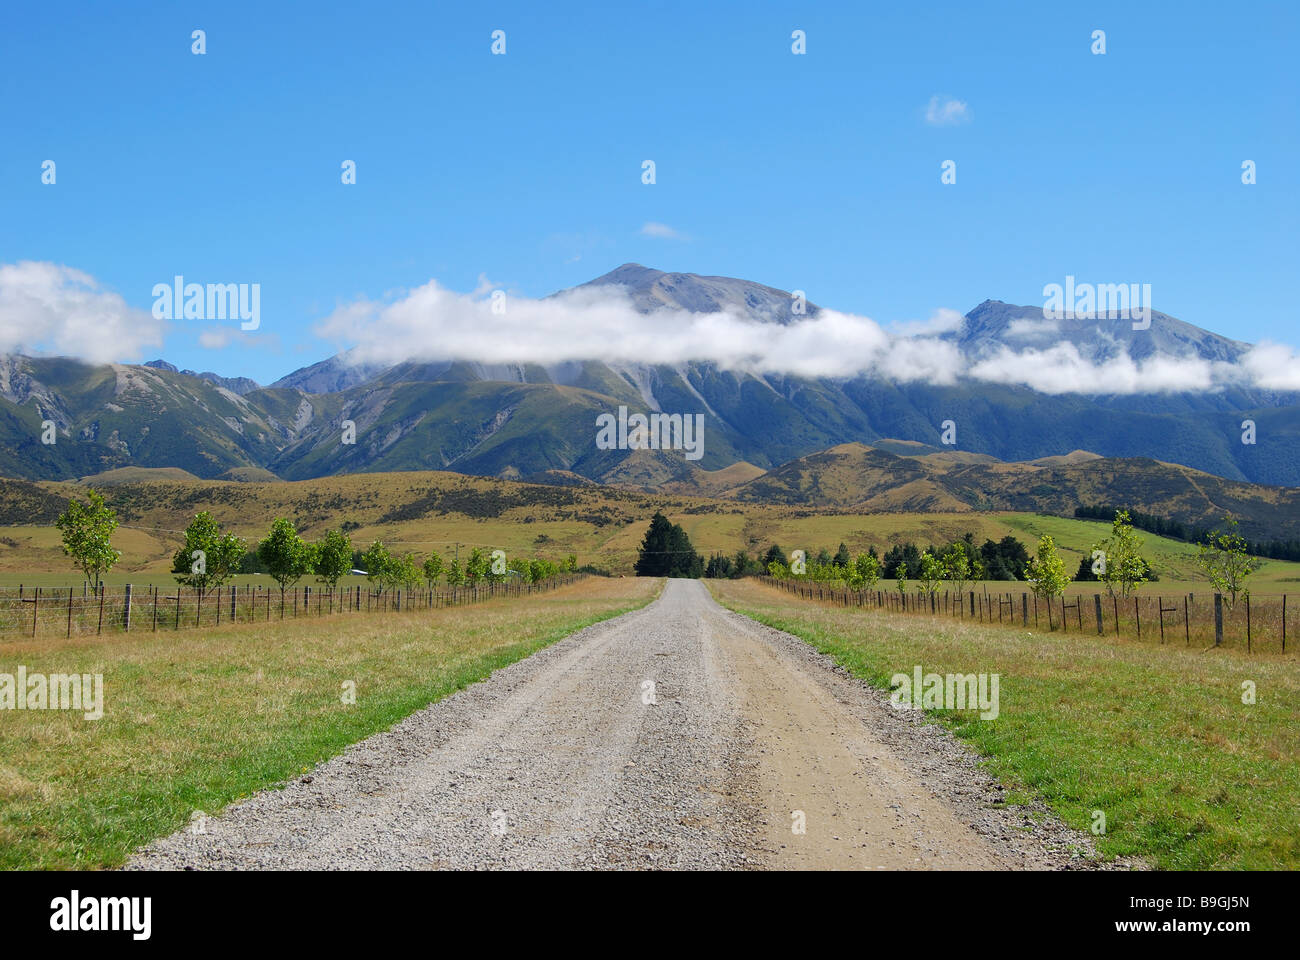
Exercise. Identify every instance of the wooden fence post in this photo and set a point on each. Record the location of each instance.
(126, 612)
(1218, 619)
(1096, 599)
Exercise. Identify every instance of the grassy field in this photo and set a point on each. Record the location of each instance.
(195, 720)
(1157, 738)
(32, 555)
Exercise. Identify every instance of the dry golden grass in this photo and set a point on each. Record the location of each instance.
(196, 719)
(601, 525)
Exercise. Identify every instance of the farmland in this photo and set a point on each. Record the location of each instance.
(1158, 739)
(198, 719)
(603, 526)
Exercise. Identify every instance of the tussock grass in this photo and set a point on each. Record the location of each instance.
(1157, 738)
(198, 719)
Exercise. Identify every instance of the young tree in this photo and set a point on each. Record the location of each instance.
(1120, 565)
(842, 558)
(1046, 574)
(520, 567)
(88, 534)
(455, 575)
(432, 569)
(407, 572)
(865, 571)
(931, 573)
(1225, 561)
(209, 557)
(476, 567)
(539, 570)
(498, 566)
(333, 559)
(286, 557)
(956, 567)
(900, 582)
(379, 565)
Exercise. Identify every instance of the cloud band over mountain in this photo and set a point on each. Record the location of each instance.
(602, 323)
(48, 308)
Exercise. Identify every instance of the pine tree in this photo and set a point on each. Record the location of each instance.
(666, 551)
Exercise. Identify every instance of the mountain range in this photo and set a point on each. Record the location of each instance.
(537, 422)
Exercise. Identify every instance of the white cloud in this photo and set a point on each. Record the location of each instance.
(1061, 369)
(433, 323)
(943, 320)
(944, 111)
(600, 323)
(49, 308)
(1272, 366)
(216, 338)
(659, 230)
(1034, 327)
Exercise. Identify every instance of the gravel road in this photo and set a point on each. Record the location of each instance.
(678, 736)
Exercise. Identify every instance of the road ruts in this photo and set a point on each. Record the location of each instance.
(678, 736)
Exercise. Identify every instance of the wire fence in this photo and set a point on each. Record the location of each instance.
(1207, 619)
(78, 611)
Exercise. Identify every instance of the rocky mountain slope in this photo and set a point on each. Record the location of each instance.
(533, 421)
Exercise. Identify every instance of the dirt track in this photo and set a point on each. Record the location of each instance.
(568, 760)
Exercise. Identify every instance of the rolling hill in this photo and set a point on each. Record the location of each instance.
(421, 512)
(856, 478)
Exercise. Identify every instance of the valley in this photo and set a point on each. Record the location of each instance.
(602, 526)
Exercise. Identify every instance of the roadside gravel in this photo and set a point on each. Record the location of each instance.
(677, 736)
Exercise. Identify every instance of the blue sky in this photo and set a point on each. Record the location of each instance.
(818, 172)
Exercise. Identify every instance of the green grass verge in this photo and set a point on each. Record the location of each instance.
(1157, 738)
(195, 722)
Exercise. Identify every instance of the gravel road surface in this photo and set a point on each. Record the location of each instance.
(678, 736)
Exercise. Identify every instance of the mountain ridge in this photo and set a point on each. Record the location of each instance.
(524, 420)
